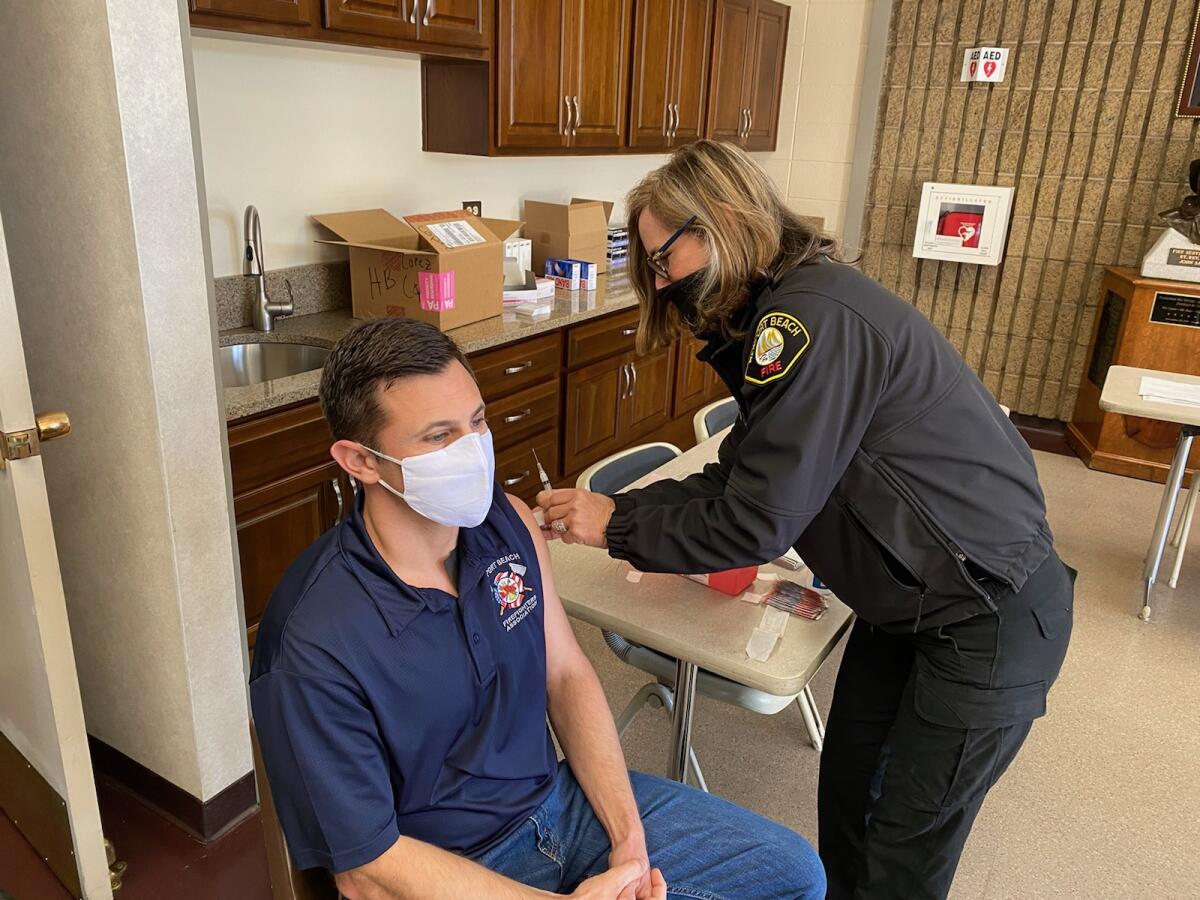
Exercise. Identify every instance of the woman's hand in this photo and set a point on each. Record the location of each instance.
(584, 514)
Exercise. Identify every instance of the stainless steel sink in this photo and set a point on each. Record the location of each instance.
(243, 364)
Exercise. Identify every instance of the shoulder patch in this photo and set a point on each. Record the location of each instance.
(780, 340)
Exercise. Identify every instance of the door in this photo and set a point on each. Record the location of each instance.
(593, 415)
(530, 85)
(282, 12)
(765, 78)
(693, 49)
(650, 117)
(277, 523)
(381, 18)
(461, 23)
(598, 73)
(647, 404)
(46, 783)
(732, 33)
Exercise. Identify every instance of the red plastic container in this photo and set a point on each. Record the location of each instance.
(731, 581)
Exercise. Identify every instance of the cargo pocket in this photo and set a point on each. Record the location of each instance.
(976, 734)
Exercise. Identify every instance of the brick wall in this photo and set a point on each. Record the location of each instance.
(1083, 127)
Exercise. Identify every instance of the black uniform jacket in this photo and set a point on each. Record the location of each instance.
(864, 441)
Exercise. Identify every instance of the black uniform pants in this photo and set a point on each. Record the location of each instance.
(921, 726)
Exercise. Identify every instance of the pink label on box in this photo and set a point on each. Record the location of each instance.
(436, 290)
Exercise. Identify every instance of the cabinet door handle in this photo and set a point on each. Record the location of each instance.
(629, 332)
(567, 128)
(633, 385)
(749, 121)
(412, 19)
(516, 479)
(337, 492)
(578, 116)
(675, 120)
(667, 121)
(623, 385)
(517, 417)
(513, 370)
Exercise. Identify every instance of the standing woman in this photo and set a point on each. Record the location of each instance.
(865, 442)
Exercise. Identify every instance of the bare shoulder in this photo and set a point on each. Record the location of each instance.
(525, 513)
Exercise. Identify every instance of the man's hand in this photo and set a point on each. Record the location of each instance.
(584, 514)
(633, 850)
(610, 884)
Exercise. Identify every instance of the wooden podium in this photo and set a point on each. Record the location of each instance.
(1145, 323)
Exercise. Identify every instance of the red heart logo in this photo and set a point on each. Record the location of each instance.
(988, 68)
(966, 232)
(973, 65)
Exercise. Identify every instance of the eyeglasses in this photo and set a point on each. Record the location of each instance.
(657, 260)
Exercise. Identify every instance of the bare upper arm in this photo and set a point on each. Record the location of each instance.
(563, 654)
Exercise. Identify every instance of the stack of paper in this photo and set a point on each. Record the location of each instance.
(1160, 390)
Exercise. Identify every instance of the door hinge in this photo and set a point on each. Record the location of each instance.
(19, 445)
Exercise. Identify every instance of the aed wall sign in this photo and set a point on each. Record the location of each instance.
(985, 64)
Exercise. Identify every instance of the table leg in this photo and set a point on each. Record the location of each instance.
(681, 723)
(1166, 512)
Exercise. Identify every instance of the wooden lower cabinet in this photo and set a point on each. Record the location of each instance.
(275, 524)
(515, 468)
(648, 404)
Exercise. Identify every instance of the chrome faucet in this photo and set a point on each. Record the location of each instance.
(265, 309)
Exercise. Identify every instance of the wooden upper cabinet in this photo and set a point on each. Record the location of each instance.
(765, 78)
(693, 34)
(650, 87)
(747, 79)
(669, 89)
(279, 12)
(384, 18)
(463, 23)
(530, 69)
(733, 32)
(598, 70)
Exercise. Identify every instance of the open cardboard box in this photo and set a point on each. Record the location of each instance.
(444, 268)
(575, 230)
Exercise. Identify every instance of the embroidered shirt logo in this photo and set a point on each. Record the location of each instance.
(768, 346)
(515, 600)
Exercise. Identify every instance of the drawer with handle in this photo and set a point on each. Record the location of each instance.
(515, 417)
(509, 369)
(516, 471)
(601, 338)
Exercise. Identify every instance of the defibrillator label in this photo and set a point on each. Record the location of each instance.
(779, 341)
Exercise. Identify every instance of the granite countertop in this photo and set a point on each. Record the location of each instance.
(325, 328)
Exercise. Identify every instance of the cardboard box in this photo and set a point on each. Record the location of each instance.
(444, 268)
(575, 230)
(535, 287)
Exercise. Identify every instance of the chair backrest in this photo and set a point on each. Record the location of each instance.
(287, 882)
(714, 418)
(615, 473)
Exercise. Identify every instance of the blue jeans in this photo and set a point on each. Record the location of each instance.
(707, 848)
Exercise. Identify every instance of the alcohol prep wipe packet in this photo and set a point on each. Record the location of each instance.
(767, 634)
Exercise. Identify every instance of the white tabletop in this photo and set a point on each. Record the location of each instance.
(684, 619)
(1121, 395)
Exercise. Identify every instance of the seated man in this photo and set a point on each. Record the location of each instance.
(407, 662)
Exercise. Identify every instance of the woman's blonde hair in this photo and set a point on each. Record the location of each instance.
(750, 233)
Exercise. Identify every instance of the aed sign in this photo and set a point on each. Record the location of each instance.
(985, 64)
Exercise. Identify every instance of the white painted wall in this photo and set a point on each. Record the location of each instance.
(822, 81)
(297, 129)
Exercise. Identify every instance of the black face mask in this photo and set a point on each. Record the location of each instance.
(684, 295)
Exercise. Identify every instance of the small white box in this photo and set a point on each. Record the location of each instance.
(520, 249)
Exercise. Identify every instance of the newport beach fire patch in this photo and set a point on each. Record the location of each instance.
(779, 342)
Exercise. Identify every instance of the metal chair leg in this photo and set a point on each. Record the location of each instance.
(1184, 529)
(640, 699)
(812, 719)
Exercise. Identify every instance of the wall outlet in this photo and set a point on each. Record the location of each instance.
(475, 207)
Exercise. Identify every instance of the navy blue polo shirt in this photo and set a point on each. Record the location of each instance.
(385, 710)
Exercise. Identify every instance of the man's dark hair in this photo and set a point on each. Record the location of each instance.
(374, 354)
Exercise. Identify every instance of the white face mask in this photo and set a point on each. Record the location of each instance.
(451, 486)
